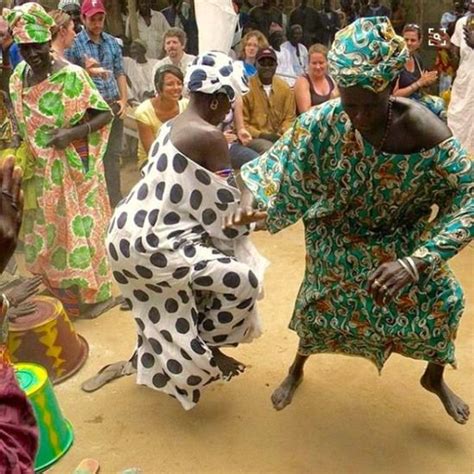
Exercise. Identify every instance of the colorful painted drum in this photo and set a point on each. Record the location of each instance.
(55, 432)
(47, 337)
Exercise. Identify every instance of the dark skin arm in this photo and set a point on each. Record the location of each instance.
(420, 129)
(11, 209)
(62, 137)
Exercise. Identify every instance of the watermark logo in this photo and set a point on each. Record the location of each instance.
(436, 37)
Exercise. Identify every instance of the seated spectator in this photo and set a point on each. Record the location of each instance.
(285, 64)
(297, 50)
(174, 42)
(309, 19)
(269, 107)
(166, 104)
(139, 69)
(315, 87)
(152, 25)
(330, 22)
(414, 78)
(266, 16)
(374, 9)
(239, 154)
(251, 43)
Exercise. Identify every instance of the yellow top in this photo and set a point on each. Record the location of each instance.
(145, 113)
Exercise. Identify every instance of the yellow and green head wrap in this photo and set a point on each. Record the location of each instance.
(368, 53)
(29, 23)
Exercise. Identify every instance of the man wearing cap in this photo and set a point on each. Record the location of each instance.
(73, 9)
(269, 107)
(93, 43)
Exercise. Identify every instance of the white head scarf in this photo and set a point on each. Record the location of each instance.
(213, 72)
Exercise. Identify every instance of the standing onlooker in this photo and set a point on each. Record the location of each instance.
(374, 9)
(330, 22)
(315, 87)
(64, 120)
(269, 107)
(398, 17)
(297, 50)
(6, 42)
(347, 13)
(173, 13)
(461, 106)
(174, 44)
(93, 43)
(152, 26)
(308, 18)
(62, 34)
(265, 17)
(73, 9)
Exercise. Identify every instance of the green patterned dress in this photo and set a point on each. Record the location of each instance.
(360, 210)
(64, 234)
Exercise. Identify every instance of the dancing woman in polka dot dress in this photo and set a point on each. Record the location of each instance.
(171, 257)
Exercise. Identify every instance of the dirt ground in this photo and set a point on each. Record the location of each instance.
(345, 418)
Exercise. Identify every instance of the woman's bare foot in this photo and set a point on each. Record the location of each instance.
(229, 366)
(283, 395)
(434, 382)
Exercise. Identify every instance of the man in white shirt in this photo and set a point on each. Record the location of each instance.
(174, 42)
(152, 25)
(297, 50)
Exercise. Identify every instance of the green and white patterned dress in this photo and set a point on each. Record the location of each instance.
(65, 232)
(361, 209)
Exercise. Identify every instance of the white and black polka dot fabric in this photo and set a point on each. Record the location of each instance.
(166, 247)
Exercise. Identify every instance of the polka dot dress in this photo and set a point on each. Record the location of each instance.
(168, 253)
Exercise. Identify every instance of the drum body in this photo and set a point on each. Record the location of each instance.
(48, 338)
(55, 432)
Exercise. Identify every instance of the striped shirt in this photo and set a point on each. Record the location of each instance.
(108, 53)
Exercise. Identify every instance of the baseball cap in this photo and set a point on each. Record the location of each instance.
(266, 53)
(91, 7)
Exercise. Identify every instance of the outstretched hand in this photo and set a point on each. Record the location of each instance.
(11, 209)
(244, 216)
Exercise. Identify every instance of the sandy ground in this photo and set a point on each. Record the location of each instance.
(345, 418)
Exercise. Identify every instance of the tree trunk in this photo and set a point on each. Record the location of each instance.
(133, 17)
(115, 24)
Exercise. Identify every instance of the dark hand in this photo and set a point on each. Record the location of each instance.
(272, 137)
(60, 138)
(244, 216)
(23, 309)
(469, 36)
(389, 279)
(11, 209)
(19, 293)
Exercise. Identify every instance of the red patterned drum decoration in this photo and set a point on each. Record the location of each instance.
(47, 337)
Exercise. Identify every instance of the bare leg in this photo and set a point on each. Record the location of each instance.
(433, 381)
(283, 395)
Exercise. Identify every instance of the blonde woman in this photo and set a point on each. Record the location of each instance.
(316, 86)
(250, 44)
(62, 34)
